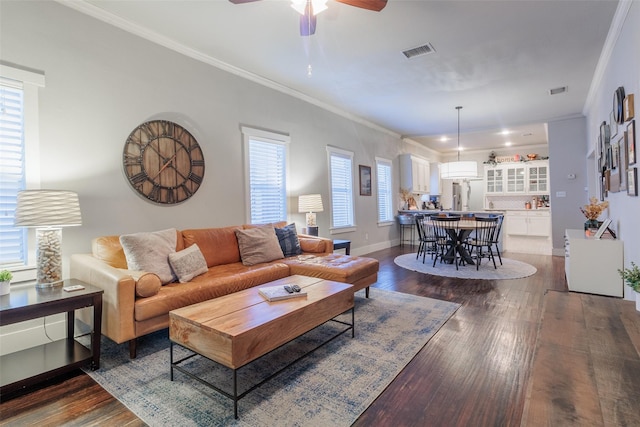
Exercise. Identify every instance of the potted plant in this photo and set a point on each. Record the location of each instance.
(632, 278)
(5, 281)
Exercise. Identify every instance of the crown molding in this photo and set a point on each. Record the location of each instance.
(612, 38)
(88, 9)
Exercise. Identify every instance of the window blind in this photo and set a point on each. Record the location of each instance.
(385, 197)
(13, 241)
(341, 175)
(267, 182)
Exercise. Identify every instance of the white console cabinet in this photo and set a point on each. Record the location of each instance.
(592, 265)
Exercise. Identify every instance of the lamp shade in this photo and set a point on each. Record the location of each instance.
(310, 203)
(47, 208)
(459, 170)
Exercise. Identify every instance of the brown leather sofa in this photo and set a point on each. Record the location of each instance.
(127, 315)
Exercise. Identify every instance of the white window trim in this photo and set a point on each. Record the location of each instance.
(349, 228)
(30, 82)
(390, 163)
(249, 133)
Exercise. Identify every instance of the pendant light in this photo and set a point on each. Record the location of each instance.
(458, 169)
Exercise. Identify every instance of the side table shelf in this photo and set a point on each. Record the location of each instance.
(30, 366)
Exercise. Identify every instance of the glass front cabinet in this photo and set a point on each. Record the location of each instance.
(515, 179)
(494, 180)
(538, 178)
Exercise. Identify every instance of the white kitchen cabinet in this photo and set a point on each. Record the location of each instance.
(415, 174)
(515, 179)
(538, 177)
(529, 223)
(494, 179)
(591, 265)
(435, 185)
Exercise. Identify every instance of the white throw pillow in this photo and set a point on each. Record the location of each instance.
(188, 263)
(150, 252)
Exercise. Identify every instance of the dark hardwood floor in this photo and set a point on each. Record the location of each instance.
(518, 352)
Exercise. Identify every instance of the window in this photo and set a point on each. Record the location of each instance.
(266, 166)
(18, 156)
(341, 183)
(385, 196)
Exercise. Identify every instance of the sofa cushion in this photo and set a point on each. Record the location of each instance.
(218, 281)
(288, 239)
(258, 245)
(150, 252)
(218, 245)
(188, 263)
(109, 250)
(336, 267)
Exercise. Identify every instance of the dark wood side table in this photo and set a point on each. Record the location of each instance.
(342, 244)
(33, 365)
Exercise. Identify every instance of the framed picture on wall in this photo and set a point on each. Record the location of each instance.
(365, 180)
(622, 160)
(613, 125)
(631, 142)
(632, 184)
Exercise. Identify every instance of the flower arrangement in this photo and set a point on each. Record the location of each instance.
(593, 210)
(631, 276)
(405, 194)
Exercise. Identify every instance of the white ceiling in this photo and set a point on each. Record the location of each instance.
(497, 59)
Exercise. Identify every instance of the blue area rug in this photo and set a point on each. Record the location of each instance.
(331, 387)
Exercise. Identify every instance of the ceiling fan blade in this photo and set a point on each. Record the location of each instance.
(307, 25)
(375, 5)
(242, 1)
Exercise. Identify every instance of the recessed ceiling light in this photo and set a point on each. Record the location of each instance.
(460, 148)
(505, 132)
(508, 144)
(444, 139)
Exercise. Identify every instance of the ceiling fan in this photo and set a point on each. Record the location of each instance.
(308, 10)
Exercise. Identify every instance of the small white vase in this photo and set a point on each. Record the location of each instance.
(5, 287)
(638, 301)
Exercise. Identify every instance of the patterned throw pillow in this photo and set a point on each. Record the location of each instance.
(188, 263)
(288, 239)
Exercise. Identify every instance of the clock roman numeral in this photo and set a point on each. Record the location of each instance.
(186, 190)
(170, 196)
(197, 163)
(166, 128)
(154, 194)
(195, 178)
(131, 160)
(138, 178)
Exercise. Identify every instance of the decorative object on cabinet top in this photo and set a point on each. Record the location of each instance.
(514, 158)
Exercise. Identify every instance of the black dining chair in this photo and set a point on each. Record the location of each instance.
(426, 235)
(496, 236)
(446, 235)
(483, 239)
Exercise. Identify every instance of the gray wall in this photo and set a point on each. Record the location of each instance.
(567, 155)
(621, 69)
(101, 82)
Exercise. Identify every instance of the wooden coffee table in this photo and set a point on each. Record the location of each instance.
(236, 329)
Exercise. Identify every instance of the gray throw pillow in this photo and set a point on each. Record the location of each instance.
(150, 252)
(288, 239)
(188, 263)
(258, 245)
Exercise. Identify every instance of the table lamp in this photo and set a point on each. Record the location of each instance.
(48, 211)
(310, 203)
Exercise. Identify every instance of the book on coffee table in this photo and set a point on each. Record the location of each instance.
(276, 293)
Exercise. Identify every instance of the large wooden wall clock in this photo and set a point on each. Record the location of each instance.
(163, 162)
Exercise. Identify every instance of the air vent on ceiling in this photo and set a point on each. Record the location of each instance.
(419, 51)
(557, 90)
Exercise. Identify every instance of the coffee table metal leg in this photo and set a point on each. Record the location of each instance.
(171, 358)
(235, 393)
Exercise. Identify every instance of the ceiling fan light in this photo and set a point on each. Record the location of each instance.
(317, 6)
